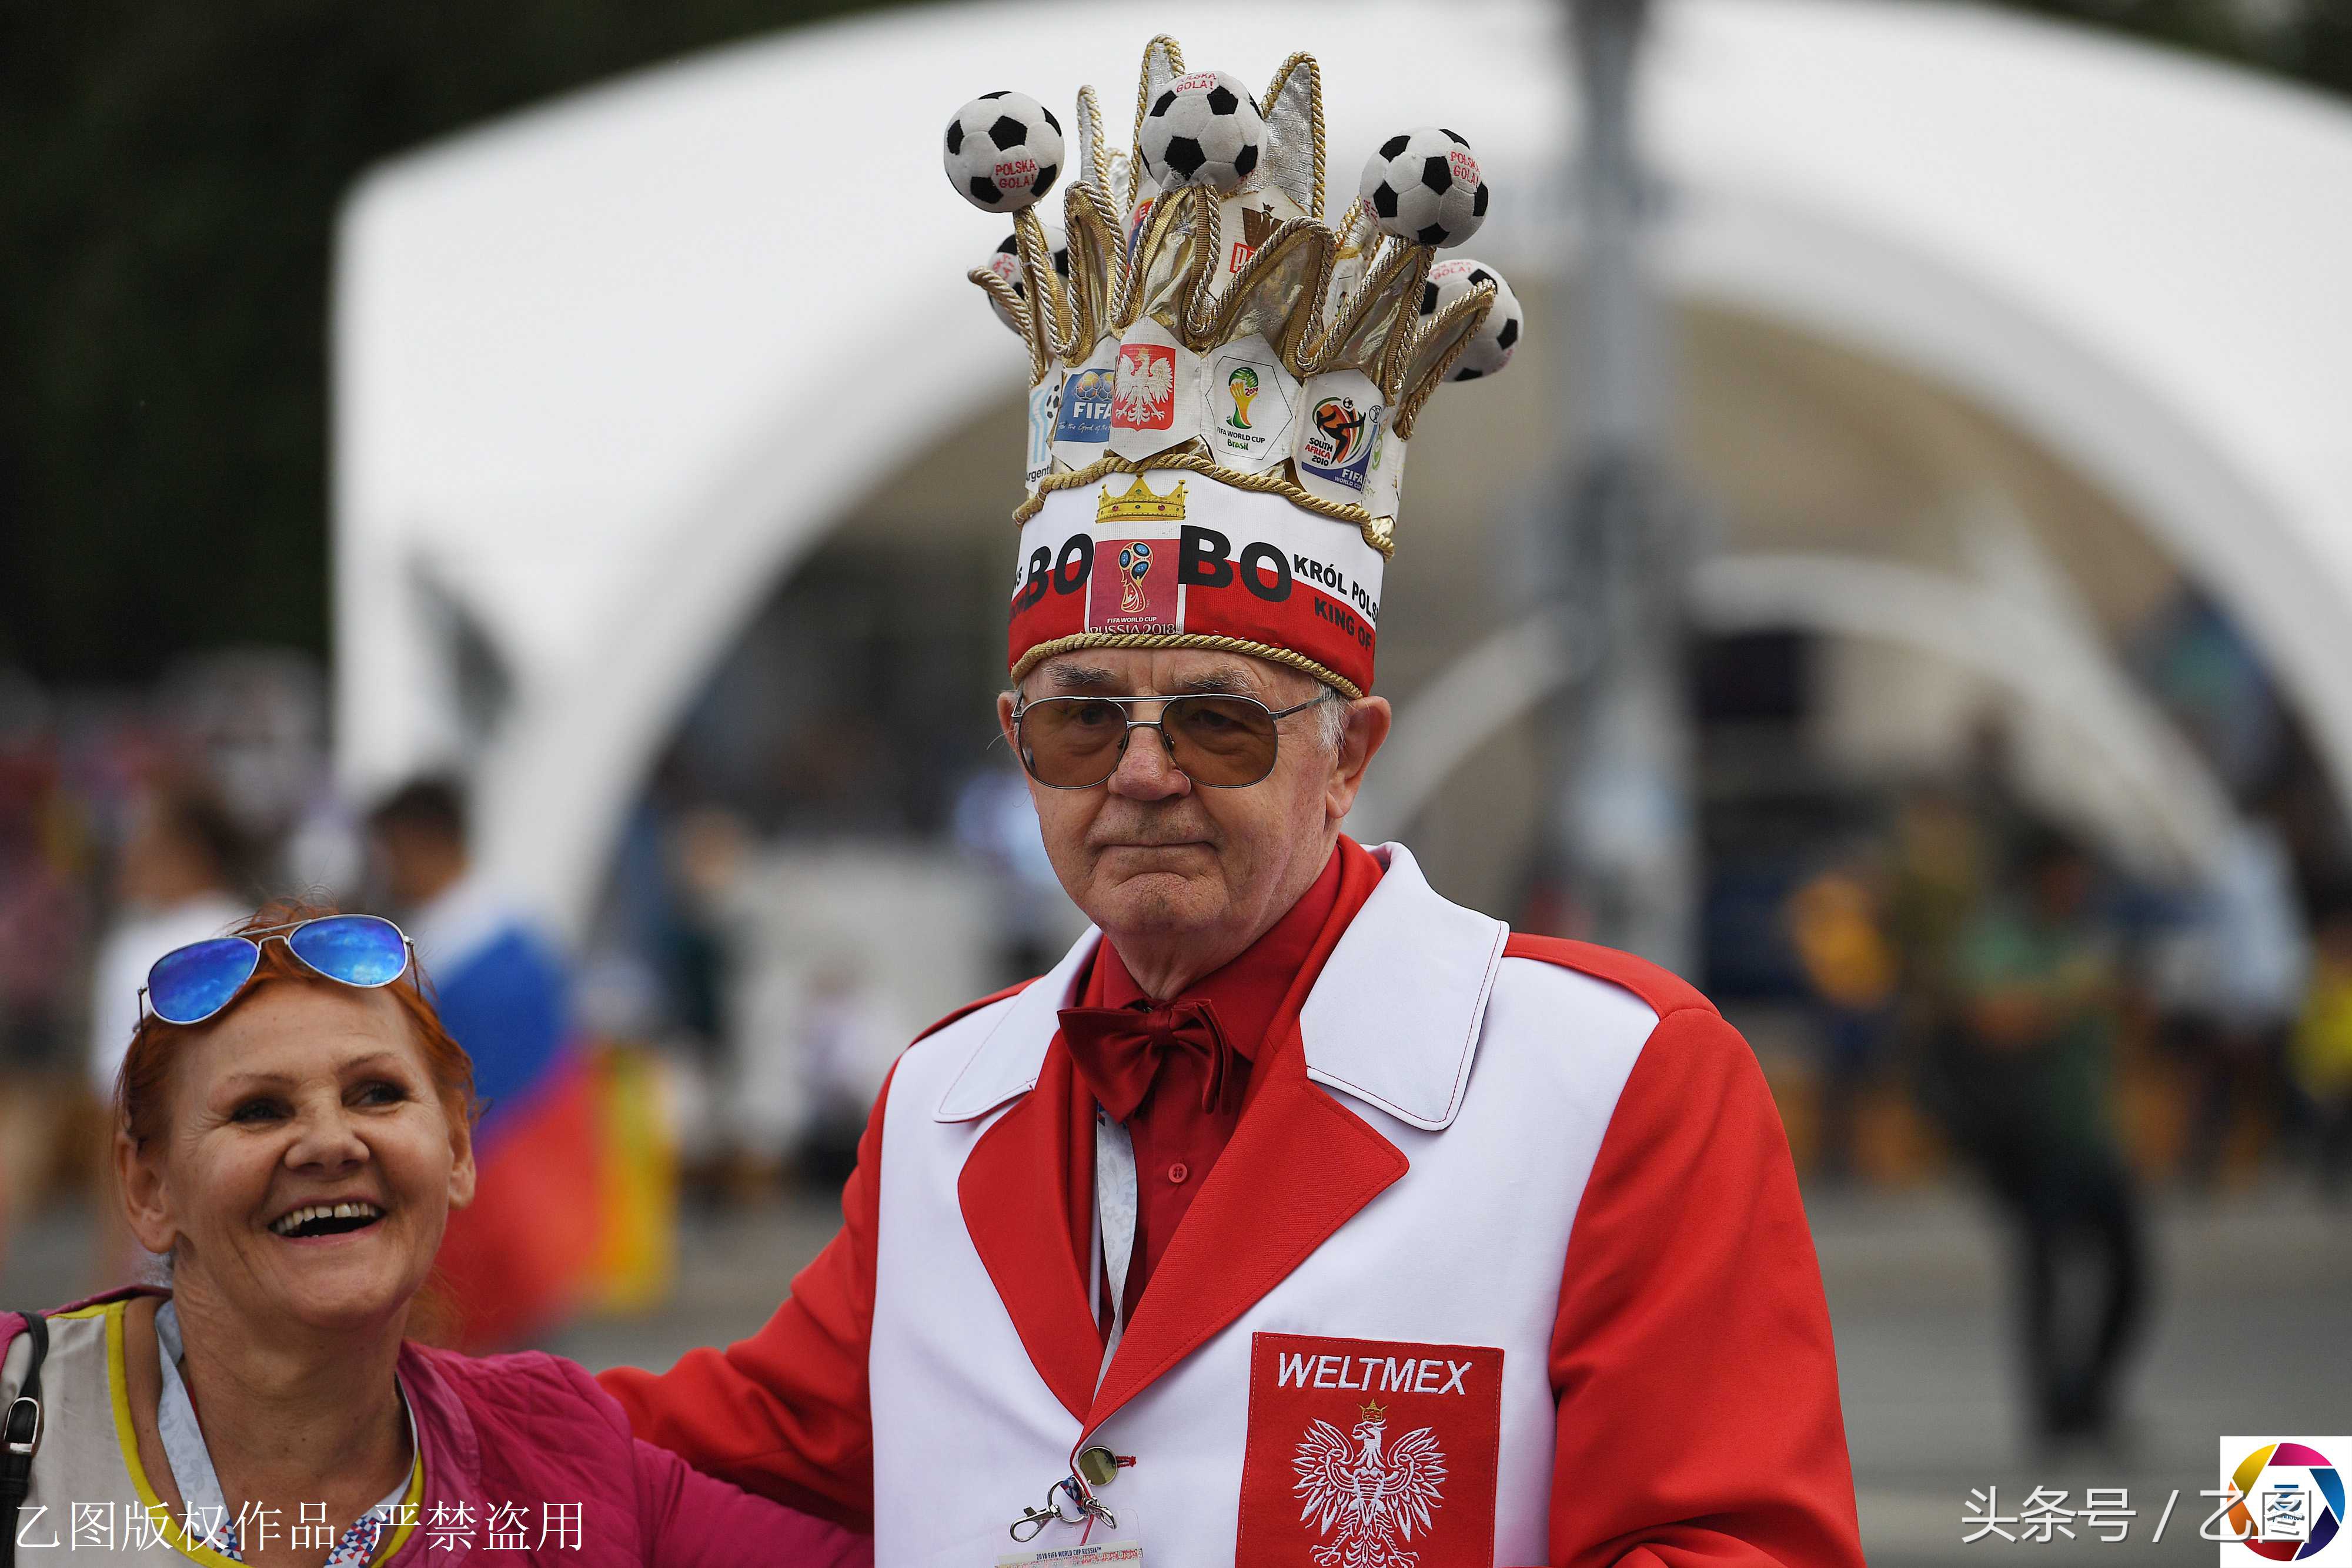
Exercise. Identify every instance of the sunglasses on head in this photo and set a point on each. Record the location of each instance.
(190, 983)
(1219, 742)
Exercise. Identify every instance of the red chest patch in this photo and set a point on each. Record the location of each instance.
(1370, 1453)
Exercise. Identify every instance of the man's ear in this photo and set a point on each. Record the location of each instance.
(1004, 723)
(146, 1197)
(1365, 729)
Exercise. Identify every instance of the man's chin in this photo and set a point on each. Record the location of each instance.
(1157, 901)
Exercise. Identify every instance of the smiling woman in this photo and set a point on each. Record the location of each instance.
(294, 1152)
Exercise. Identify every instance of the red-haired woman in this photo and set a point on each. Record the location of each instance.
(294, 1128)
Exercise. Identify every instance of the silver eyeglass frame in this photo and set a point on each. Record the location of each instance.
(1167, 747)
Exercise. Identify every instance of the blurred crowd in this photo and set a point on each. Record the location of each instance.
(1989, 996)
(131, 827)
(716, 1036)
(1966, 987)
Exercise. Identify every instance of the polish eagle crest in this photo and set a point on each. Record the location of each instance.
(1376, 1497)
(1145, 383)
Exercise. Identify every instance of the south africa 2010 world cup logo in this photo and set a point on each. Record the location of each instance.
(1134, 562)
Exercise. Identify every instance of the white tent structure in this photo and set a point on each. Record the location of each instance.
(605, 371)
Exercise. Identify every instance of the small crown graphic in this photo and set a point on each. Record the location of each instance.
(1140, 505)
(1376, 1411)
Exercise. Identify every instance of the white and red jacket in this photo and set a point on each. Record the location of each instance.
(1505, 1264)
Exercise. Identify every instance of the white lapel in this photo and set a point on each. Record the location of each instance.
(1395, 1017)
(1006, 1064)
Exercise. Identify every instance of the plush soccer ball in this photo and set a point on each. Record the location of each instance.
(1203, 130)
(1489, 348)
(1424, 187)
(1003, 151)
(1005, 262)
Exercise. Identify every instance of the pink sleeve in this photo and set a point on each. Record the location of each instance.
(1697, 1387)
(694, 1521)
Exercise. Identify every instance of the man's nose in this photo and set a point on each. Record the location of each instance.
(1145, 771)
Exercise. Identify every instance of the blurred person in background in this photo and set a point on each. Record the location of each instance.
(1286, 1122)
(44, 917)
(2031, 1100)
(292, 1136)
(2321, 1056)
(1838, 927)
(178, 880)
(850, 1034)
(44, 923)
(1937, 888)
(517, 1261)
(2232, 980)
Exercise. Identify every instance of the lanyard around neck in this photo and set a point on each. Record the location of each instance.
(1115, 1208)
(201, 1497)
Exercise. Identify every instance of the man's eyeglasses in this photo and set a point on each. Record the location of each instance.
(190, 984)
(1218, 742)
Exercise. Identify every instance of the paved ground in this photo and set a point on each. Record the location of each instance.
(2251, 1335)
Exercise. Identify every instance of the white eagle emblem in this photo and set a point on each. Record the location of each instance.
(1144, 383)
(1377, 1500)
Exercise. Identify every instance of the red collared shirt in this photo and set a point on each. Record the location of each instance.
(1176, 1142)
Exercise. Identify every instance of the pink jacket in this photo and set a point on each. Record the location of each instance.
(532, 1432)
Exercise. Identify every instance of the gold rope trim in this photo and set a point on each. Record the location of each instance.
(1380, 539)
(1013, 304)
(1168, 50)
(1097, 149)
(1465, 318)
(1266, 650)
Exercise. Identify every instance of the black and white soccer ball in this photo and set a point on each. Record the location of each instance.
(1203, 129)
(1003, 151)
(1005, 262)
(1424, 187)
(1489, 348)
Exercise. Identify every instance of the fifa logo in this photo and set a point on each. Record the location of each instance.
(1243, 386)
(1134, 561)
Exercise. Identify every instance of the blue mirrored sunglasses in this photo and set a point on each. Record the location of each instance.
(190, 984)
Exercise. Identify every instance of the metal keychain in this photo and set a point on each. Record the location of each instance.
(1089, 1507)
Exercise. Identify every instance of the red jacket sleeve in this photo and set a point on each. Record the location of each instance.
(1697, 1386)
(785, 1412)
(694, 1521)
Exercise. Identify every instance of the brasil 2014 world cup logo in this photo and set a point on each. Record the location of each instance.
(1243, 386)
(1134, 561)
(2290, 1504)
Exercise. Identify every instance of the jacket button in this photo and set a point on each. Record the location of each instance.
(1178, 1172)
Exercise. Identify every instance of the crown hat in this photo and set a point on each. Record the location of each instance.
(1198, 315)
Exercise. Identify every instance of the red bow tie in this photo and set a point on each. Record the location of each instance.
(1119, 1052)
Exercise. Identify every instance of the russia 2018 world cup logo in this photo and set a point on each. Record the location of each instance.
(1134, 561)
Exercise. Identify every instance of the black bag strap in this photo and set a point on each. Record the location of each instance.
(20, 1434)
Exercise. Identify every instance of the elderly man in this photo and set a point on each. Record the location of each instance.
(1298, 1216)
